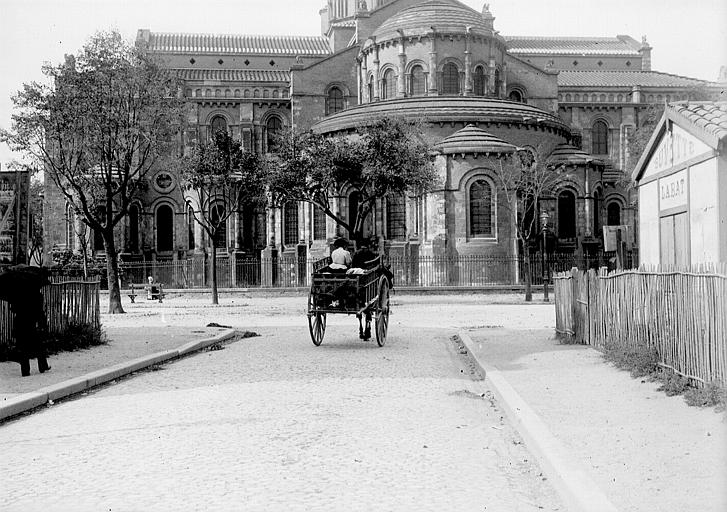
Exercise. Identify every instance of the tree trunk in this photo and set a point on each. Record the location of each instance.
(112, 270)
(528, 273)
(213, 271)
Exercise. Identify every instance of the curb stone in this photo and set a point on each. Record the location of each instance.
(28, 401)
(569, 478)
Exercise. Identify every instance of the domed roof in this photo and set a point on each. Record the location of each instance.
(471, 139)
(444, 17)
(565, 154)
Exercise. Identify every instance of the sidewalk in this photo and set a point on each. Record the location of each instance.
(605, 440)
(129, 349)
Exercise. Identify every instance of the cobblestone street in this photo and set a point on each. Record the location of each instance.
(274, 423)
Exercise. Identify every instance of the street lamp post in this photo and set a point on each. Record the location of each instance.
(544, 217)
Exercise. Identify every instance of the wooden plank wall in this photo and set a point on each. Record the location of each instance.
(681, 313)
(65, 303)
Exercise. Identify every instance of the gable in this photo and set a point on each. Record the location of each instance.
(673, 148)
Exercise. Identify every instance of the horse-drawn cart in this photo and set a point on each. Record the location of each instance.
(365, 295)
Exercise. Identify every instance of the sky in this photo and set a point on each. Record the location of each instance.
(689, 38)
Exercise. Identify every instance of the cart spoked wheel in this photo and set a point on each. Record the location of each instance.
(316, 322)
(382, 312)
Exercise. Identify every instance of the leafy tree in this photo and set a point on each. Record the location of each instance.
(220, 178)
(385, 158)
(524, 179)
(109, 116)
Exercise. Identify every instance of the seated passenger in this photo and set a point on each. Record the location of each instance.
(340, 257)
(364, 257)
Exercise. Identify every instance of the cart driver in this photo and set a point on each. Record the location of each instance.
(340, 257)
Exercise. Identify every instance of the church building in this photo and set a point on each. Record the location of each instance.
(478, 95)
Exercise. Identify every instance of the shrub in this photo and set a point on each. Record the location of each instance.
(75, 337)
(640, 362)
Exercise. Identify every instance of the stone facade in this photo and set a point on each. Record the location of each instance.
(437, 61)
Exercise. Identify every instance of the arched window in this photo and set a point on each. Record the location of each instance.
(450, 79)
(388, 85)
(354, 199)
(190, 227)
(371, 88)
(417, 84)
(516, 95)
(218, 124)
(133, 228)
(290, 223)
(165, 228)
(272, 127)
(395, 217)
(334, 101)
(497, 83)
(480, 85)
(480, 209)
(599, 138)
(217, 214)
(566, 214)
(613, 214)
(319, 224)
(596, 213)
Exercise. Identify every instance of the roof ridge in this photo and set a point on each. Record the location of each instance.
(565, 38)
(222, 34)
(634, 71)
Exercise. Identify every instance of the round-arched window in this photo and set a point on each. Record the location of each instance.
(165, 228)
(418, 86)
(273, 127)
(515, 95)
(450, 79)
(334, 101)
(480, 83)
(613, 214)
(388, 85)
(566, 214)
(218, 124)
(599, 138)
(480, 209)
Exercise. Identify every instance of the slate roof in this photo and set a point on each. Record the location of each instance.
(443, 109)
(710, 117)
(619, 45)
(234, 75)
(565, 154)
(624, 79)
(165, 42)
(471, 139)
(443, 16)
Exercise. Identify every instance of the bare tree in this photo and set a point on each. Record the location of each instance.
(220, 178)
(525, 178)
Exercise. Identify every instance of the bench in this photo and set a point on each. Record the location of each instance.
(153, 291)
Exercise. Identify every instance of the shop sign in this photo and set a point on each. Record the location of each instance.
(675, 147)
(673, 191)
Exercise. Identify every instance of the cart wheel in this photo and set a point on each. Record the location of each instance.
(382, 312)
(316, 322)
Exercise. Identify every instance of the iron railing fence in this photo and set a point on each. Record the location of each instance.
(286, 271)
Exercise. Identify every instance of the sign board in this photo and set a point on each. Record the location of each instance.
(14, 215)
(610, 237)
(673, 191)
(675, 147)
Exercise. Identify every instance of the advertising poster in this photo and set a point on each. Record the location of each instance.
(14, 195)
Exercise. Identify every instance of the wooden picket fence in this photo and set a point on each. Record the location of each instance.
(70, 302)
(682, 314)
